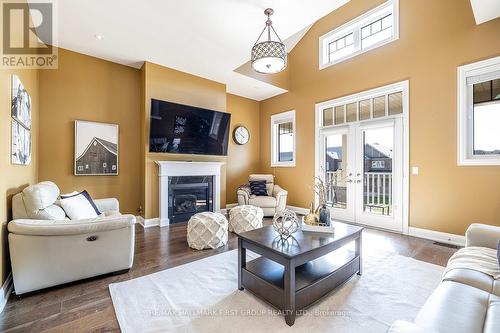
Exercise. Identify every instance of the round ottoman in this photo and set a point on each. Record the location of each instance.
(245, 218)
(207, 230)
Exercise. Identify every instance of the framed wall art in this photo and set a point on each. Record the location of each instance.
(96, 148)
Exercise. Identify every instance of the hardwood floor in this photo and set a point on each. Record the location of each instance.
(86, 306)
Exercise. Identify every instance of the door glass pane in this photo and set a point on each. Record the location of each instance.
(328, 117)
(378, 145)
(285, 142)
(395, 103)
(336, 170)
(351, 112)
(379, 107)
(364, 109)
(339, 114)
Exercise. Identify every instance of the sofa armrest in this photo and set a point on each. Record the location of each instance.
(69, 227)
(281, 196)
(482, 235)
(108, 205)
(278, 191)
(243, 194)
(400, 326)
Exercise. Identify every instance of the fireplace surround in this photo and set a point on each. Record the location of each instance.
(187, 188)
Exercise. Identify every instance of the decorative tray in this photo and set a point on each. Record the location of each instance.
(317, 228)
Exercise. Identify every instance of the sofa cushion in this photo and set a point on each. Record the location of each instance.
(471, 278)
(455, 308)
(262, 202)
(39, 196)
(53, 212)
(258, 188)
(79, 206)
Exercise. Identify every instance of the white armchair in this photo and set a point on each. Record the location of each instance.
(49, 252)
(274, 202)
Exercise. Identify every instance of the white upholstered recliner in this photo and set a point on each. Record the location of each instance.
(48, 249)
(275, 201)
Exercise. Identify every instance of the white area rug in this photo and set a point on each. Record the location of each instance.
(202, 296)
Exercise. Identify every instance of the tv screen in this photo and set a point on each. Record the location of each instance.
(184, 129)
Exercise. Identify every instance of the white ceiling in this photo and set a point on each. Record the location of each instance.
(485, 10)
(208, 38)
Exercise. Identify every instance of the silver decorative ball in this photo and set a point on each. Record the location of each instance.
(285, 223)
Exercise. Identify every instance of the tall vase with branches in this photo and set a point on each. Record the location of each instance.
(323, 186)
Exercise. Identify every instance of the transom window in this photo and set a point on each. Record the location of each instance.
(479, 113)
(378, 106)
(341, 47)
(283, 139)
(377, 31)
(368, 31)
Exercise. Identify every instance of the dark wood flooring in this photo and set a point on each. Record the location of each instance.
(86, 306)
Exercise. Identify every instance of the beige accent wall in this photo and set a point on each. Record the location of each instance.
(174, 86)
(242, 159)
(88, 88)
(435, 38)
(14, 178)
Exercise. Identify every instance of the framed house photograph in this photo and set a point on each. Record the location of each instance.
(96, 148)
(20, 103)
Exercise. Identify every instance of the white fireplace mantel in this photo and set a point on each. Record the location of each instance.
(182, 168)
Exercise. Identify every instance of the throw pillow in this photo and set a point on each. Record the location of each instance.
(258, 188)
(79, 206)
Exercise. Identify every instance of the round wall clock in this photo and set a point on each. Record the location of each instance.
(241, 135)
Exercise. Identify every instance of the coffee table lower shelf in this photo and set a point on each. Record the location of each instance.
(265, 278)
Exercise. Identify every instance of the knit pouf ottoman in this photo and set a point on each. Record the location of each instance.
(245, 218)
(207, 230)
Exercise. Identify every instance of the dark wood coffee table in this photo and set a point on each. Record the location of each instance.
(293, 274)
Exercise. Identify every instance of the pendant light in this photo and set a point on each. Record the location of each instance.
(269, 56)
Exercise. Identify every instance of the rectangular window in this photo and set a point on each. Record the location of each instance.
(285, 142)
(486, 118)
(368, 31)
(283, 139)
(479, 113)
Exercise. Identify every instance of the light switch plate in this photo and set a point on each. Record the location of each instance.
(414, 170)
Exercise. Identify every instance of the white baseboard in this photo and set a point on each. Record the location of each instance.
(228, 207)
(147, 223)
(5, 291)
(437, 236)
(298, 210)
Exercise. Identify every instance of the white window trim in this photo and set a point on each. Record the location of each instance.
(354, 26)
(465, 156)
(277, 119)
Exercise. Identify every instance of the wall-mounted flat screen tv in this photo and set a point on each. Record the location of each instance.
(184, 129)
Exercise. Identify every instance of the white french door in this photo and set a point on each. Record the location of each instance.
(365, 160)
